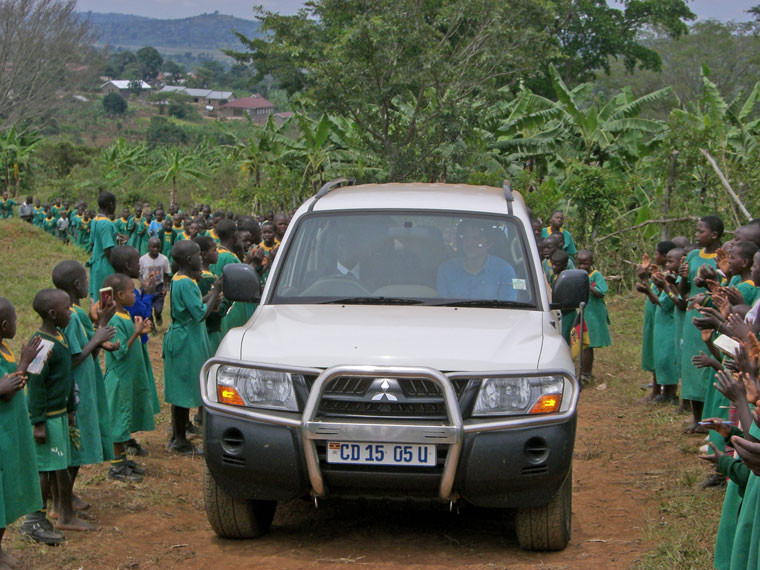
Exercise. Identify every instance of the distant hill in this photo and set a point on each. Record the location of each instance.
(199, 33)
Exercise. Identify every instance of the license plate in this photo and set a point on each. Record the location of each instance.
(411, 454)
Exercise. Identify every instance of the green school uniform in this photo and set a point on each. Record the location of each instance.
(749, 291)
(214, 320)
(678, 318)
(144, 238)
(212, 234)
(6, 208)
(56, 211)
(138, 231)
(167, 241)
(647, 336)
(101, 400)
(83, 234)
(39, 215)
(595, 314)
(19, 483)
(50, 397)
(738, 474)
(90, 448)
(694, 380)
(548, 271)
(239, 313)
(125, 369)
(568, 245)
(74, 222)
(102, 237)
(48, 224)
(745, 551)
(665, 348)
(186, 344)
(123, 227)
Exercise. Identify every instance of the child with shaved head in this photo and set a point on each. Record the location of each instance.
(19, 494)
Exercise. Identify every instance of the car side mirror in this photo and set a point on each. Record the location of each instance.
(570, 290)
(241, 283)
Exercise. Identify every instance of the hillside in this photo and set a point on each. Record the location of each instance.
(203, 32)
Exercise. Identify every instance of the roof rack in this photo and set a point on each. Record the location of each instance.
(508, 196)
(329, 187)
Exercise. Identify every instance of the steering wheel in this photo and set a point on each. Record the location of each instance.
(336, 286)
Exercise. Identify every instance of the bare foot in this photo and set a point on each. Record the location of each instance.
(52, 514)
(79, 504)
(646, 399)
(75, 524)
(691, 428)
(8, 561)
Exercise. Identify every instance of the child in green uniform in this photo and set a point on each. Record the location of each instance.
(650, 290)
(19, 483)
(559, 261)
(136, 221)
(595, 314)
(694, 381)
(124, 226)
(83, 233)
(52, 405)
(6, 206)
(740, 265)
(126, 261)
(209, 256)
(49, 223)
(263, 255)
(39, 214)
(186, 345)
(125, 369)
(102, 240)
(166, 235)
(71, 277)
(555, 227)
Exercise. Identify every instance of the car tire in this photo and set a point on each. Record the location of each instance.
(547, 527)
(234, 518)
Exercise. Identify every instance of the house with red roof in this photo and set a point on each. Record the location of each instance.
(255, 106)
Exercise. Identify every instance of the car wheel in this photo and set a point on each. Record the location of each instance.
(547, 527)
(234, 518)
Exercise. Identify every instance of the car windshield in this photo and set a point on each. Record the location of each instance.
(406, 258)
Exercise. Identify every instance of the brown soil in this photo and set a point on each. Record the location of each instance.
(161, 523)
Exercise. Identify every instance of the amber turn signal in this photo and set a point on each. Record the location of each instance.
(547, 404)
(228, 395)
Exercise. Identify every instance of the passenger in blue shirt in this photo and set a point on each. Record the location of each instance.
(475, 274)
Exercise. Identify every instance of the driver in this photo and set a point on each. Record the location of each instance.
(475, 274)
(348, 257)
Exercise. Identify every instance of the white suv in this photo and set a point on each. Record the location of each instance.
(404, 347)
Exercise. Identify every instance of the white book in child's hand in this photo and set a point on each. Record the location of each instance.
(39, 361)
(727, 345)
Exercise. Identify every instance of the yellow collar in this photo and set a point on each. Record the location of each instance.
(123, 315)
(181, 277)
(704, 255)
(8, 353)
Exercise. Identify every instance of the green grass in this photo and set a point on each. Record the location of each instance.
(682, 519)
(27, 256)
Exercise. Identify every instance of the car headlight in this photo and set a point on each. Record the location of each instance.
(256, 388)
(519, 396)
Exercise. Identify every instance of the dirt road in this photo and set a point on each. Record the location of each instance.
(161, 522)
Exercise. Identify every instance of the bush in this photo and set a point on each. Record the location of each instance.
(162, 131)
(114, 104)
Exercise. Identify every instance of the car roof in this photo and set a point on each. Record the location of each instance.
(419, 196)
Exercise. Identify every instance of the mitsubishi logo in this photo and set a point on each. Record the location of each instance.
(384, 387)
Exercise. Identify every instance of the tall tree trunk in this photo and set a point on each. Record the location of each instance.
(173, 196)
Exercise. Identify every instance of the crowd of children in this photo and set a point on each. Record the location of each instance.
(80, 409)
(700, 327)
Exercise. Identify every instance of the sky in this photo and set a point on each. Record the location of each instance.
(719, 9)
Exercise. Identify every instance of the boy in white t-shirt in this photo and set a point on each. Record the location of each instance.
(154, 266)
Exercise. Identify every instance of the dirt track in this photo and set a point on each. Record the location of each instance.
(161, 523)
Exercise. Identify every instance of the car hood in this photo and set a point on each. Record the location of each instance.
(444, 338)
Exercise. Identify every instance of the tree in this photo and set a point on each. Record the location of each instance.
(176, 165)
(150, 62)
(172, 71)
(114, 104)
(42, 57)
(590, 33)
(401, 68)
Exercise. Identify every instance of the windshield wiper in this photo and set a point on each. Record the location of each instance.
(373, 301)
(486, 303)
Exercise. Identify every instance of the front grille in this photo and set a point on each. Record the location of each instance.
(354, 396)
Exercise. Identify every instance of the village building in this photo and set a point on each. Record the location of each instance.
(201, 97)
(256, 107)
(126, 87)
